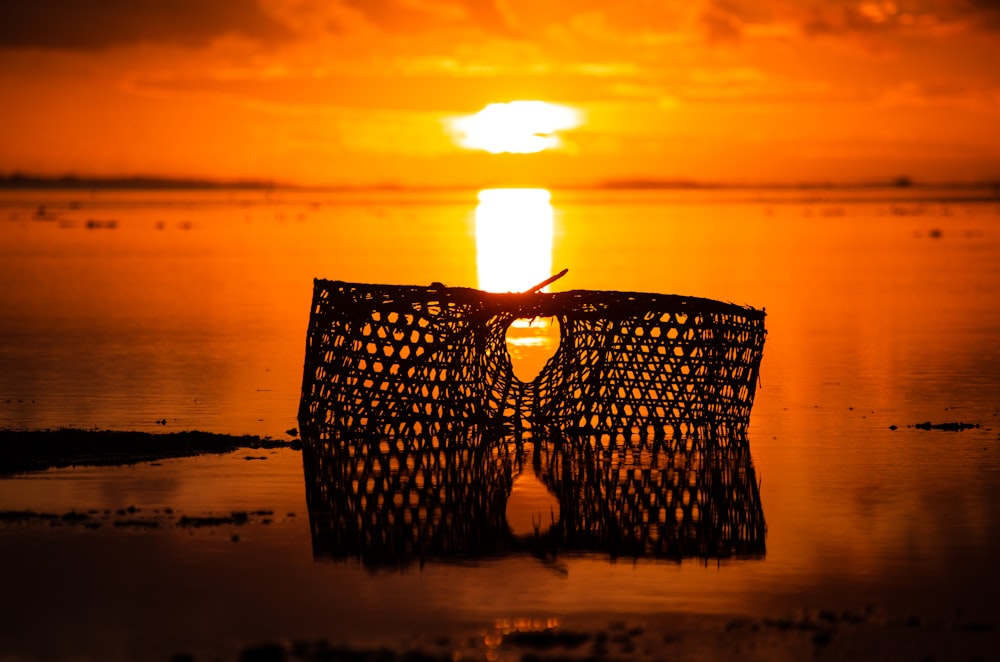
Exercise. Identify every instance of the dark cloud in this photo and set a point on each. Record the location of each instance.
(720, 25)
(988, 12)
(395, 16)
(97, 24)
(726, 20)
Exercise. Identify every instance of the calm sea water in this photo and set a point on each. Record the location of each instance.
(125, 309)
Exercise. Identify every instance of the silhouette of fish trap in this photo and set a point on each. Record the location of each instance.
(397, 360)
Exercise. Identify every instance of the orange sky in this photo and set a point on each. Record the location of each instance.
(362, 91)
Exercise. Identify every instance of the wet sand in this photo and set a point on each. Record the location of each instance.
(73, 552)
(822, 635)
(35, 450)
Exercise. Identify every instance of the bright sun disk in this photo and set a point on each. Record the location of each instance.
(518, 127)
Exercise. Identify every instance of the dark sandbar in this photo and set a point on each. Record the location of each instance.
(34, 450)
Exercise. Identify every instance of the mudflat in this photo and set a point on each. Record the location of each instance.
(35, 450)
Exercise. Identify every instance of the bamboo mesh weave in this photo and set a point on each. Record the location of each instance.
(388, 504)
(394, 361)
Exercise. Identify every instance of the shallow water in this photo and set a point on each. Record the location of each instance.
(124, 309)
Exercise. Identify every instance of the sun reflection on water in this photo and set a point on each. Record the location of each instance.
(513, 238)
(514, 230)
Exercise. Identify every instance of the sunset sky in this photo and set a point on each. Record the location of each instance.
(361, 92)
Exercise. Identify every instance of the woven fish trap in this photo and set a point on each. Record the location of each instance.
(389, 505)
(681, 497)
(396, 360)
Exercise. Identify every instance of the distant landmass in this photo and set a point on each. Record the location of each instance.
(22, 181)
(26, 181)
(903, 181)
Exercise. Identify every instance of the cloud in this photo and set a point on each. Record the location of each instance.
(721, 25)
(417, 15)
(730, 20)
(422, 93)
(941, 93)
(988, 12)
(101, 24)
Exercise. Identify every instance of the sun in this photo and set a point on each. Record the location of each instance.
(514, 229)
(517, 127)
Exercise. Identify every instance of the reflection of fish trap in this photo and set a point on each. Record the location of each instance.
(393, 360)
(389, 503)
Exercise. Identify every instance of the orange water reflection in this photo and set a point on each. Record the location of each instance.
(513, 238)
(879, 312)
(514, 243)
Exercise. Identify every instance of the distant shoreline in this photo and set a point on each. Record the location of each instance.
(72, 182)
(23, 451)
(22, 181)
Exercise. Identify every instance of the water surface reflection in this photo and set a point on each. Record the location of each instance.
(514, 238)
(430, 498)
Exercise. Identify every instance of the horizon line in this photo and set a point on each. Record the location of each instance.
(18, 180)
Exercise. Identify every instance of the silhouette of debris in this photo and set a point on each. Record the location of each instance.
(947, 427)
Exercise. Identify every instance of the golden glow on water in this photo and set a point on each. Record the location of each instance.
(513, 238)
(194, 311)
(514, 243)
(531, 343)
(531, 507)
